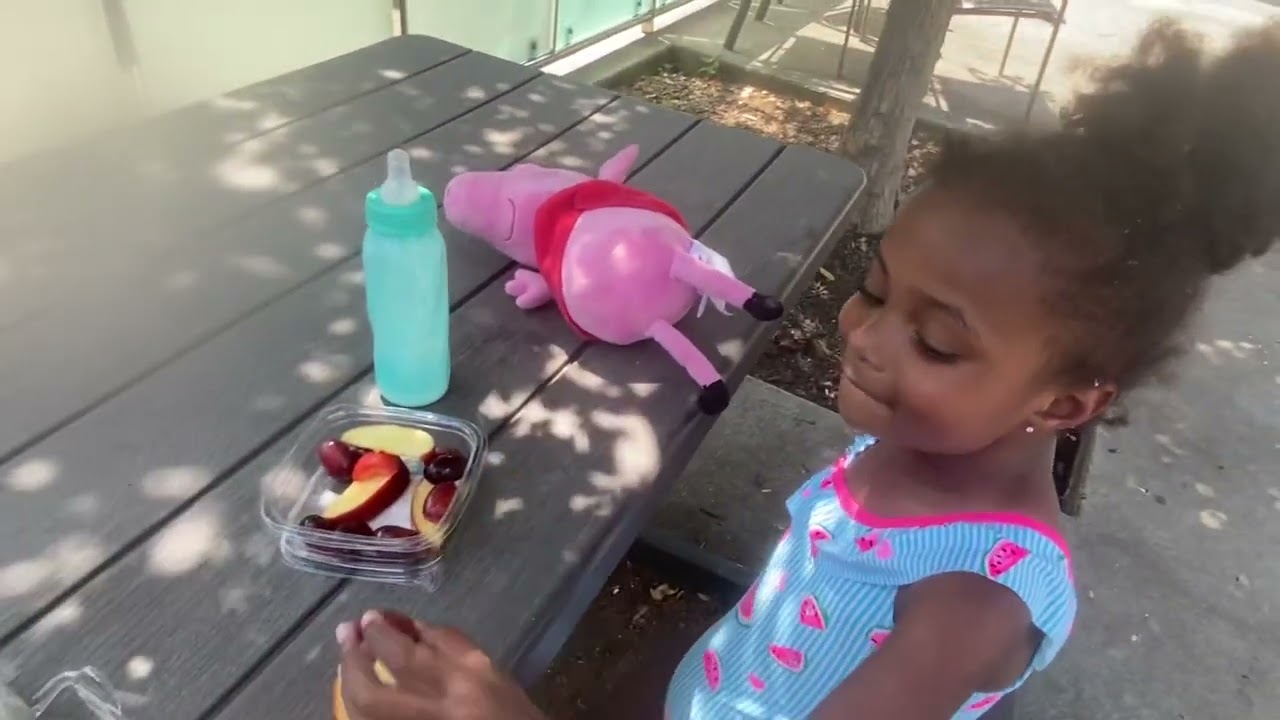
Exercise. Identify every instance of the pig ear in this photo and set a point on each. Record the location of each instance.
(618, 167)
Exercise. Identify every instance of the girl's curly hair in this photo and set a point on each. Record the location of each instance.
(1165, 174)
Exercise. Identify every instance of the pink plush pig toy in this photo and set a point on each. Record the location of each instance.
(618, 262)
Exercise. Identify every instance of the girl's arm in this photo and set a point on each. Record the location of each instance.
(956, 635)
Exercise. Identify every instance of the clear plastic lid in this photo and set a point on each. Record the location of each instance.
(324, 522)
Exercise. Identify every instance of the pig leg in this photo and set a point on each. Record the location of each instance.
(714, 397)
(529, 289)
(711, 282)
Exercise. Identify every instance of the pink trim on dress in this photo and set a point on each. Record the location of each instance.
(866, 517)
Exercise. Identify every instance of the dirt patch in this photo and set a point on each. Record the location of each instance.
(636, 603)
(802, 355)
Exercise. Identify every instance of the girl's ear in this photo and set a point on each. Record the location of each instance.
(1073, 409)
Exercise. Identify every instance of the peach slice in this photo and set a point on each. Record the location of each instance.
(340, 708)
(395, 439)
(378, 480)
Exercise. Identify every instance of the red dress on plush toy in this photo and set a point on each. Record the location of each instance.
(618, 262)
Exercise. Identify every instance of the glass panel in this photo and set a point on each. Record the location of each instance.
(193, 49)
(581, 19)
(58, 74)
(518, 30)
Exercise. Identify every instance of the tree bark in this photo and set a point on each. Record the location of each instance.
(885, 111)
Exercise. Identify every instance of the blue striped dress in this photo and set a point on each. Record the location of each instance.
(825, 600)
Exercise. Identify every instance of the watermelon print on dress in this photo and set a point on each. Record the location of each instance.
(985, 702)
(811, 615)
(711, 666)
(877, 637)
(788, 657)
(1003, 557)
(747, 605)
(817, 534)
(756, 682)
(836, 474)
(875, 541)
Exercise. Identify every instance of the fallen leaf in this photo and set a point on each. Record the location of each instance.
(662, 592)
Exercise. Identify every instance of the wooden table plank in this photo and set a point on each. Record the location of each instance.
(170, 202)
(173, 302)
(207, 595)
(176, 417)
(145, 618)
(293, 684)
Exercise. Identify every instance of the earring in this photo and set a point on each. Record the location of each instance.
(1031, 428)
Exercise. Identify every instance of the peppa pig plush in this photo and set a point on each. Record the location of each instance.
(617, 261)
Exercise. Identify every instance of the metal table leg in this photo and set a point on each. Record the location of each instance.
(1004, 59)
(763, 9)
(1044, 63)
(848, 30)
(735, 28)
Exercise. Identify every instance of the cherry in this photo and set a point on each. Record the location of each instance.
(355, 527)
(338, 458)
(395, 532)
(444, 465)
(438, 502)
(316, 522)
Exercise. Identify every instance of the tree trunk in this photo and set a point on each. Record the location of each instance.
(885, 111)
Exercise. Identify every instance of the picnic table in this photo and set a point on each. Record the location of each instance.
(178, 297)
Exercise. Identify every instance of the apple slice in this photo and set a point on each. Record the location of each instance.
(395, 439)
(431, 504)
(377, 481)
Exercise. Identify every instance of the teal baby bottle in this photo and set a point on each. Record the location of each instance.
(406, 289)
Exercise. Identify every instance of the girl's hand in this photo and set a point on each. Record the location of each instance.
(439, 674)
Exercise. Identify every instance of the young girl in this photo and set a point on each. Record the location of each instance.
(1035, 278)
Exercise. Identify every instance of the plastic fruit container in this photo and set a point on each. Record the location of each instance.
(322, 504)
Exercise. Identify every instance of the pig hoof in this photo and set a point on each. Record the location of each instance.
(714, 398)
(763, 307)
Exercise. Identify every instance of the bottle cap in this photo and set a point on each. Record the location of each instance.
(400, 207)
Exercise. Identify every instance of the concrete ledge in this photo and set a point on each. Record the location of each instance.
(728, 507)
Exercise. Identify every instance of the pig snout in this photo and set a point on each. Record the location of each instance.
(474, 205)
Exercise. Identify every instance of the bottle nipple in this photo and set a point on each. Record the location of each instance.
(399, 187)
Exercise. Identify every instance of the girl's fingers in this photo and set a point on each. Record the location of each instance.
(395, 649)
(363, 694)
(457, 648)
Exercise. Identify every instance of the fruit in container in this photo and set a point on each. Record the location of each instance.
(443, 465)
(316, 522)
(399, 440)
(338, 459)
(431, 504)
(395, 532)
(375, 465)
(354, 527)
(439, 501)
(377, 481)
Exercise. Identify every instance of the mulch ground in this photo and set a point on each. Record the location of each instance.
(638, 601)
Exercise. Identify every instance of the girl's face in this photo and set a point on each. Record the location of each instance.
(944, 348)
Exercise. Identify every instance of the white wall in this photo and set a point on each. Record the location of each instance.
(59, 78)
(58, 74)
